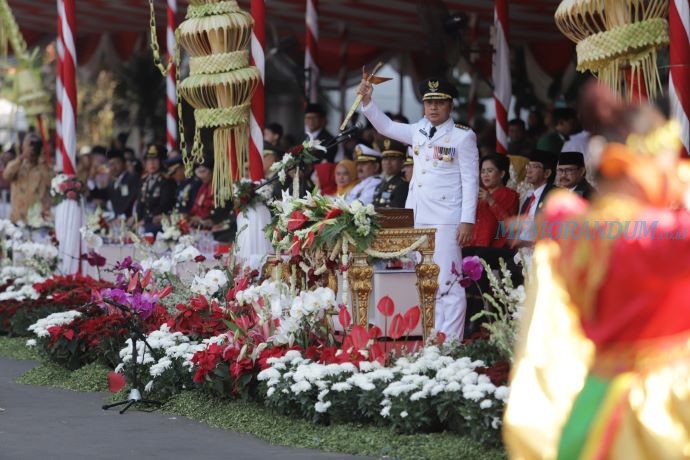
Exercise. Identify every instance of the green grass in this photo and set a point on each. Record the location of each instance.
(258, 421)
(254, 419)
(92, 377)
(15, 348)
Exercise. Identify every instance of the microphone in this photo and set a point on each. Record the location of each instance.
(351, 130)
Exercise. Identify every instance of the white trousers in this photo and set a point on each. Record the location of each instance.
(451, 303)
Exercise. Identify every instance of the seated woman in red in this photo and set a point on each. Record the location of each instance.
(497, 203)
(200, 215)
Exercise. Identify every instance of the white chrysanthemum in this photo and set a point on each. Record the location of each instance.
(300, 387)
(403, 414)
(502, 393)
(322, 407)
(40, 327)
(341, 386)
(486, 404)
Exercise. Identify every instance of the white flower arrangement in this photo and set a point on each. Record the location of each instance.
(40, 327)
(209, 284)
(9, 231)
(56, 182)
(406, 393)
(184, 253)
(307, 309)
(31, 250)
(90, 237)
(507, 304)
(174, 352)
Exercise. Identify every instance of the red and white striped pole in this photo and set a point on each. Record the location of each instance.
(679, 76)
(69, 83)
(473, 57)
(311, 56)
(258, 119)
(501, 74)
(58, 87)
(170, 91)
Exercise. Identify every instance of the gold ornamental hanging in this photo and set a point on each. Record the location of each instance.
(614, 36)
(216, 35)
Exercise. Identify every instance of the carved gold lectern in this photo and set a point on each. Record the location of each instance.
(389, 240)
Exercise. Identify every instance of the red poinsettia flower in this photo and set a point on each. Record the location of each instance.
(296, 221)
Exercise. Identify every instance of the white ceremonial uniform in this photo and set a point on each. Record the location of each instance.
(443, 193)
(364, 190)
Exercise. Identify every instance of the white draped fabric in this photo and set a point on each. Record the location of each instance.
(68, 221)
(252, 244)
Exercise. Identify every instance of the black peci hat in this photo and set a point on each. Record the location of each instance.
(548, 159)
(315, 108)
(115, 153)
(437, 88)
(571, 158)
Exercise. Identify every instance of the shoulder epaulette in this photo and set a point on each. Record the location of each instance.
(461, 126)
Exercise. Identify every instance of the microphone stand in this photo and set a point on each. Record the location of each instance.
(135, 333)
(300, 162)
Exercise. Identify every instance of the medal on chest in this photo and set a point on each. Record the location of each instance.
(446, 154)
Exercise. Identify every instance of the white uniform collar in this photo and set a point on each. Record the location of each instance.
(441, 129)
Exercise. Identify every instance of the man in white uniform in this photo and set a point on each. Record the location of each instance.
(368, 167)
(444, 186)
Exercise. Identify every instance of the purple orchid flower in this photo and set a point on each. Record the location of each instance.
(128, 264)
(472, 268)
(144, 304)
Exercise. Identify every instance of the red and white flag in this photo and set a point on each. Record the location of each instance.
(311, 56)
(257, 120)
(170, 83)
(68, 96)
(679, 76)
(501, 74)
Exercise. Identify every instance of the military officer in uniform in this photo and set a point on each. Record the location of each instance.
(408, 168)
(123, 188)
(157, 196)
(392, 191)
(186, 186)
(368, 168)
(444, 187)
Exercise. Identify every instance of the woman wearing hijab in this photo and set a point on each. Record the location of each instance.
(345, 177)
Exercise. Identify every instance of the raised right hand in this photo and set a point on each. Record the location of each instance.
(365, 89)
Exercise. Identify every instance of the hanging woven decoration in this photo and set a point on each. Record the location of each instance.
(617, 40)
(28, 89)
(216, 35)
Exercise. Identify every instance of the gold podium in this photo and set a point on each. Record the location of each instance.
(389, 240)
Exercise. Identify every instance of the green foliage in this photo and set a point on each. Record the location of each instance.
(252, 418)
(15, 348)
(506, 301)
(92, 377)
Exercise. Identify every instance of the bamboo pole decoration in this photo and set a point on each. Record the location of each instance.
(358, 100)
